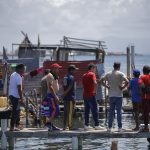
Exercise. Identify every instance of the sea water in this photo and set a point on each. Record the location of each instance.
(93, 144)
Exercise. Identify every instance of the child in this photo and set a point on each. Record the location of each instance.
(136, 96)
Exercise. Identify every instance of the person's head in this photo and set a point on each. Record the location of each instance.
(46, 71)
(72, 68)
(146, 70)
(91, 67)
(55, 68)
(20, 68)
(136, 73)
(116, 66)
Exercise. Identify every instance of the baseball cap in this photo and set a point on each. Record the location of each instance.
(72, 67)
(55, 65)
(136, 71)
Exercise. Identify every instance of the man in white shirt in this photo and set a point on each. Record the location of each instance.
(116, 82)
(16, 95)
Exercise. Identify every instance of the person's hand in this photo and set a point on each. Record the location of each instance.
(57, 99)
(121, 87)
(21, 101)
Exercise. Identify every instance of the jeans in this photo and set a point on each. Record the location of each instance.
(115, 102)
(15, 118)
(90, 103)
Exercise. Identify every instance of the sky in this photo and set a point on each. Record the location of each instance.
(119, 23)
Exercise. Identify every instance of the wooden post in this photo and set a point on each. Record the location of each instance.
(75, 143)
(27, 113)
(132, 58)
(114, 145)
(128, 62)
(79, 143)
(3, 138)
(11, 142)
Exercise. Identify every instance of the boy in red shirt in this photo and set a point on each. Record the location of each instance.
(89, 93)
(145, 78)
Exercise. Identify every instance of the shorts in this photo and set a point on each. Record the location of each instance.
(49, 107)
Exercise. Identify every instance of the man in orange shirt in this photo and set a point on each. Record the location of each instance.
(145, 78)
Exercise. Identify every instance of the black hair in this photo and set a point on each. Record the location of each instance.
(90, 66)
(116, 65)
(136, 75)
(19, 67)
(146, 69)
(46, 71)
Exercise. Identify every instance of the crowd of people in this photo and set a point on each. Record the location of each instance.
(115, 81)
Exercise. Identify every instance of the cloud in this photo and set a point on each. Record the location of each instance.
(123, 20)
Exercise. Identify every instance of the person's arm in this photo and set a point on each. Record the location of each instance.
(20, 92)
(126, 82)
(65, 92)
(19, 87)
(51, 89)
(103, 82)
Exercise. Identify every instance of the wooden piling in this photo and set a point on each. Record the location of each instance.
(3, 137)
(128, 62)
(114, 145)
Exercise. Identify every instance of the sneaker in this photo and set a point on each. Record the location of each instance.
(47, 126)
(109, 129)
(66, 128)
(136, 129)
(54, 128)
(88, 128)
(120, 129)
(99, 128)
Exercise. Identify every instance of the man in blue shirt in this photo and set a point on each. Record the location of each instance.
(69, 96)
(136, 96)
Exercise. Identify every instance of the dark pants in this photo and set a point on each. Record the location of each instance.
(146, 110)
(90, 103)
(68, 113)
(15, 118)
(136, 111)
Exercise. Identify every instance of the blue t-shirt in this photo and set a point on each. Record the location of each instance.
(135, 90)
(69, 80)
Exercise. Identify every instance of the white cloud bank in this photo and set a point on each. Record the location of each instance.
(118, 22)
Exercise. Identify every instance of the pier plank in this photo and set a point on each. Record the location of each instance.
(43, 133)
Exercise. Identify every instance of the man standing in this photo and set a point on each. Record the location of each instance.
(50, 104)
(89, 93)
(116, 82)
(69, 96)
(146, 96)
(16, 96)
(100, 72)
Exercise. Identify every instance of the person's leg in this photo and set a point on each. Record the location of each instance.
(136, 109)
(66, 112)
(70, 114)
(86, 111)
(14, 103)
(111, 112)
(145, 113)
(118, 101)
(94, 109)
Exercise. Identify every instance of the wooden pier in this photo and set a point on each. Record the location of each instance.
(76, 135)
(43, 133)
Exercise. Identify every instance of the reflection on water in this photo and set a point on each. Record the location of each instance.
(88, 144)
